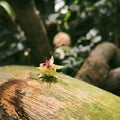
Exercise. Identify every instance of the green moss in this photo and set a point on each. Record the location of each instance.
(97, 112)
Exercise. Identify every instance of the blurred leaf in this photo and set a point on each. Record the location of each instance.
(8, 8)
(67, 16)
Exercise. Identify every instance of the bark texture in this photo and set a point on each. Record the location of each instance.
(30, 21)
(24, 97)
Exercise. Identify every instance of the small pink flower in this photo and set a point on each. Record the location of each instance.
(48, 68)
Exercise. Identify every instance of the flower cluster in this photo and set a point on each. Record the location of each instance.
(48, 70)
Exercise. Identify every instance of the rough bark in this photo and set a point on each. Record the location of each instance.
(24, 97)
(30, 21)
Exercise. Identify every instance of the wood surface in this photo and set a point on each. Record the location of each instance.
(24, 97)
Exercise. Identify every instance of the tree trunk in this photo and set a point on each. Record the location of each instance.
(46, 7)
(24, 97)
(29, 19)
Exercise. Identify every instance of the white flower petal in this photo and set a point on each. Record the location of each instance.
(51, 60)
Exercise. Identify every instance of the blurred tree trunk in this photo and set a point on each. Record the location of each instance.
(30, 21)
(46, 7)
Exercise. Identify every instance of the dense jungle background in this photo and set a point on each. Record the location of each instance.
(33, 30)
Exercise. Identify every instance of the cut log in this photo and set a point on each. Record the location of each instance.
(24, 97)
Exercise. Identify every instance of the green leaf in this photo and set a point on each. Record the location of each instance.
(59, 67)
(7, 8)
(67, 16)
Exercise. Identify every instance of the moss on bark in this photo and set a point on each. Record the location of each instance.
(68, 99)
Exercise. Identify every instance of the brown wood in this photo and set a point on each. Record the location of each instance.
(24, 97)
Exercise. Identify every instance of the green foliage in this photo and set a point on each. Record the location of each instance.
(88, 23)
(12, 40)
(7, 8)
(81, 16)
(72, 58)
(48, 79)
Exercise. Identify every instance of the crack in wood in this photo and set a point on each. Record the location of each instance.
(11, 105)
